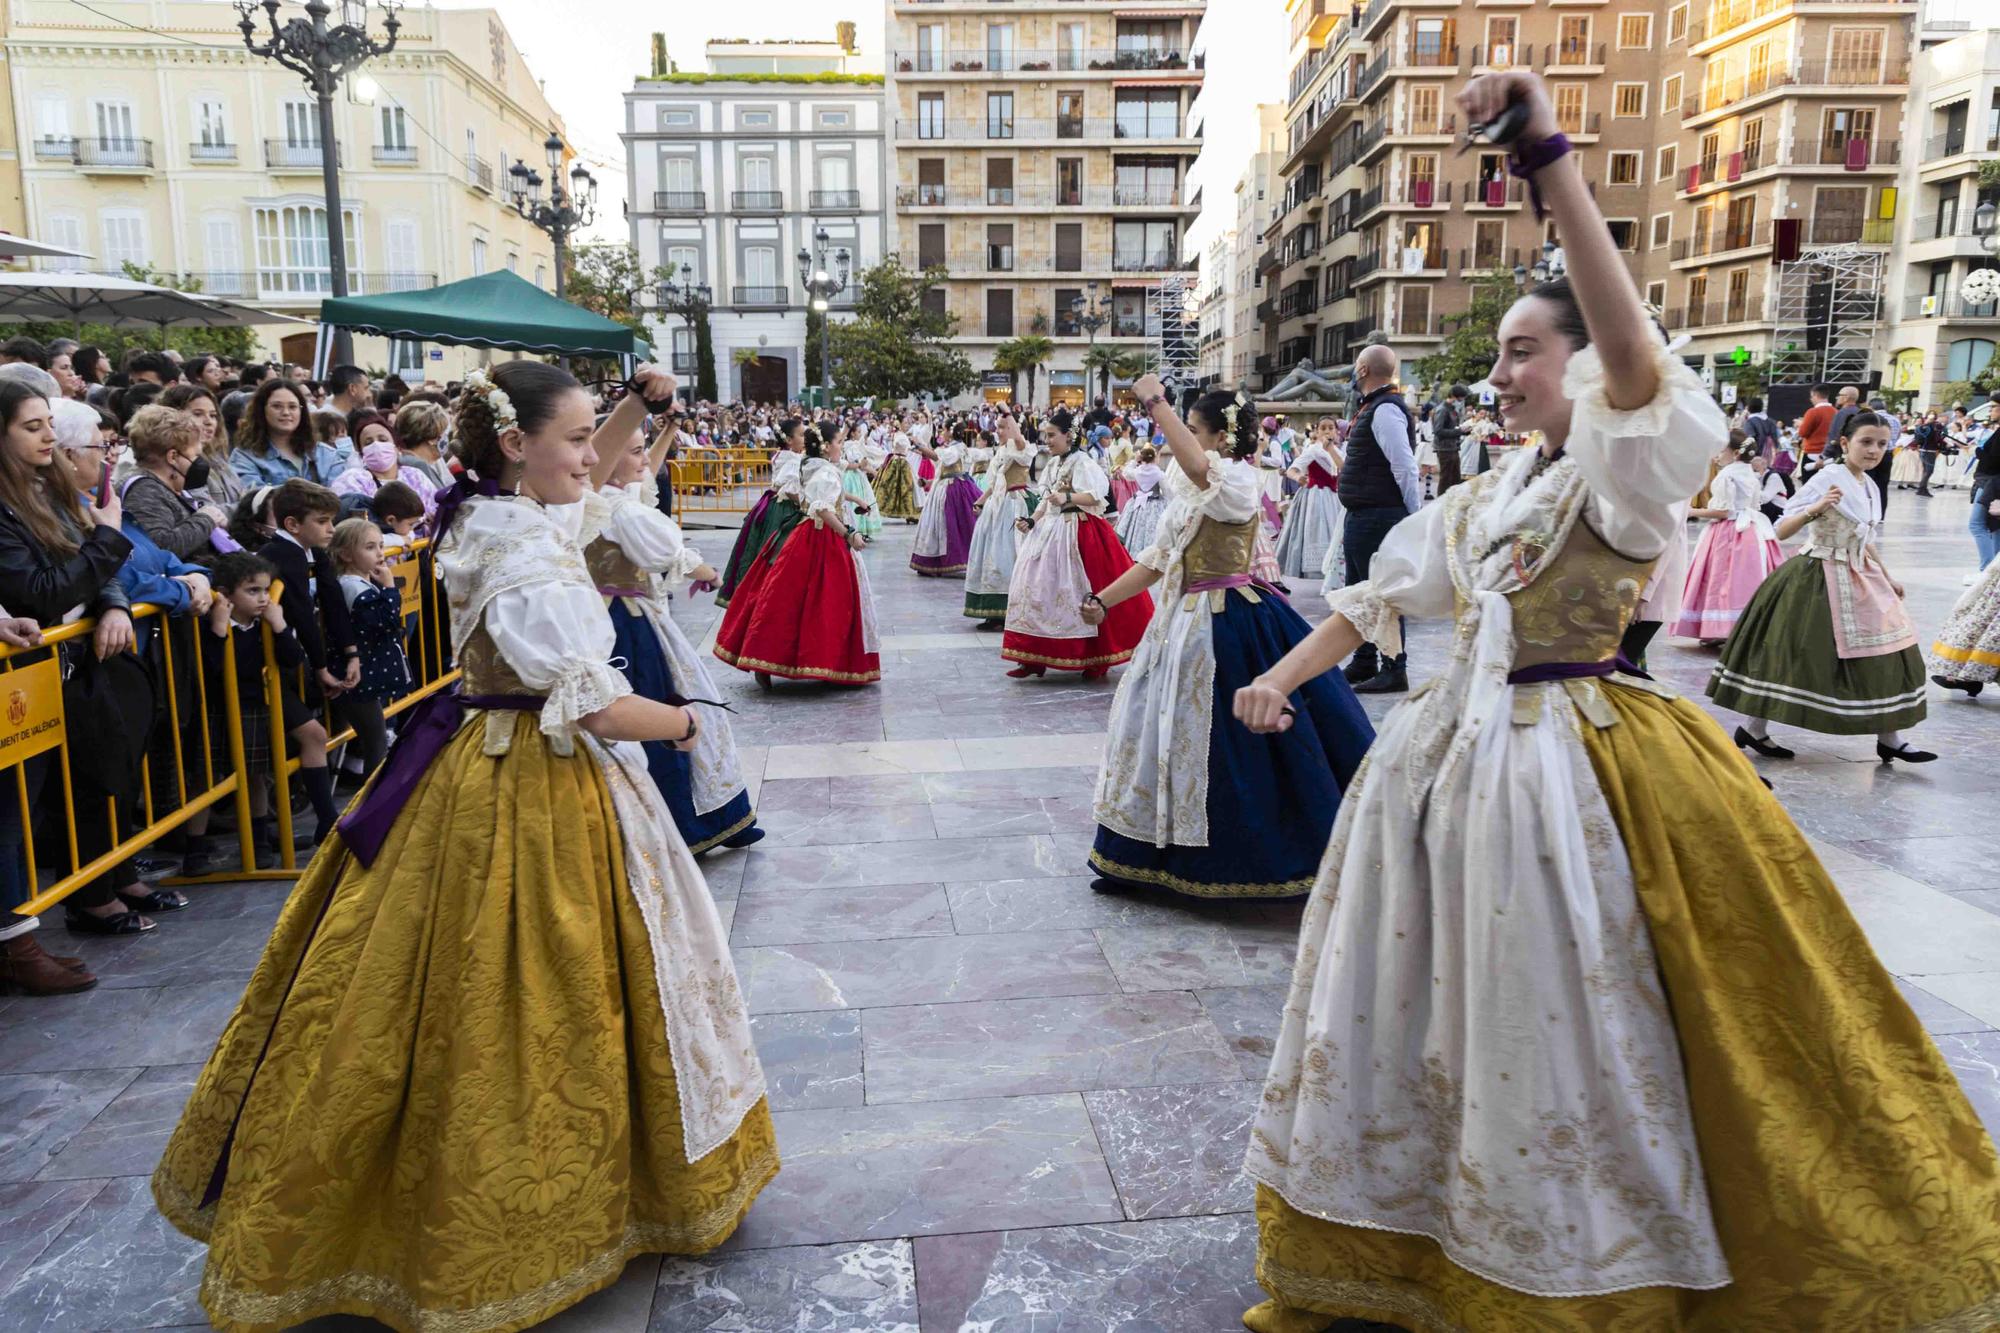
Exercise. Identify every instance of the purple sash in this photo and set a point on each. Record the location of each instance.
(1244, 580)
(428, 728)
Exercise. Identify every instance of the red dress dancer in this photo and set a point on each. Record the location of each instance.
(1069, 554)
(804, 610)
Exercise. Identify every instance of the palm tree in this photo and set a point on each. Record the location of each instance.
(1131, 363)
(1101, 363)
(1031, 353)
(1007, 357)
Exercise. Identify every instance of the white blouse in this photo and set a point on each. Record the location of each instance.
(785, 472)
(822, 488)
(1734, 489)
(1080, 473)
(1860, 499)
(1234, 495)
(649, 538)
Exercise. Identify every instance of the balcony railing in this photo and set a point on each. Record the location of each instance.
(1823, 71)
(1366, 265)
(1418, 56)
(1720, 240)
(284, 154)
(1472, 260)
(1368, 203)
(1426, 193)
(757, 201)
(1707, 314)
(1949, 305)
(211, 152)
(294, 284)
(131, 154)
(836, 201)
(1843, 228)
(1496, 193)
(1062, 60)
(1372, 74)
(55, 148)
(1567, 55)
(395, 155)
(680, 201)
(1729, 166)
(1504, 55)
(1415, 325)
(1592, 123)
(767, 296)
(976, 128)
(479, 174)
(1853, 154)
(1147, 261)
(1944, 226)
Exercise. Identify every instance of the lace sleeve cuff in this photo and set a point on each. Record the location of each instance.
(581, 689)
(1380, 623)
(1584, 385)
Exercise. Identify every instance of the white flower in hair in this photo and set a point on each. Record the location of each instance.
(497, 401)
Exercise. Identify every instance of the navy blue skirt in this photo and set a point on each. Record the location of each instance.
(652, 677)
(1271, 799)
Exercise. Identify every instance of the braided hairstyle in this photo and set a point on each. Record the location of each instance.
(535, 388)
(1233, 416)
(815, 440)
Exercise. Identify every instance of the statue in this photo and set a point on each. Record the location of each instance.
(1304, 383)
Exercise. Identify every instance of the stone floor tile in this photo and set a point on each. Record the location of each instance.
(856, 912)
(1177, 1151)
(1954, 863)
(33, 1213)
(947, 1052)
(929, 970)
(842, 865)
(128, 1136)
(1919, 930)
(841, 1288)
(988, 906)
(1008, 784)
(1055, 751)
(39, 1113)
(626, 1306)
(1975, 1058)
(858, 760)
(1975, 993)
(810, 1060)
(847, 824)
(117, 1265)
(108, 1029)
(1248, 1018)
(1938, 1017)
(1199, 957)
(923, 1168)
(178, 952)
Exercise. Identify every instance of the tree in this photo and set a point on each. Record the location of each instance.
(1471, 345)
(704, 359)
(1007, 359)
(238, 344)
(1099, 364)
(1031, 353)
(894, 347)
(815, 334)
(607, 279)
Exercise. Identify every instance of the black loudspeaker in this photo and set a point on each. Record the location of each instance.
(1819, 315)
(1786, 403)
(1874, 382)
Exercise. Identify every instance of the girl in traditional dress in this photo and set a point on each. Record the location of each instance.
(951, 511)
(1120, 456)
(996, 538)
(1966, 654)
(1825, 643)
(1313, 514)
(1737, 552)
(1140, 518)
(858, 461)
(1187, 801)
(776, 509)
(638, 562)
(1580, 1036)
(896, 492)
(495, 1047)
(804, 609)
(1069, 551)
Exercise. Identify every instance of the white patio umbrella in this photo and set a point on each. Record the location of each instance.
(99, 298)
(23, 247)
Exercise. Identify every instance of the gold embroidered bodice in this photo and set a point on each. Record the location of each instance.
(1577, 608)
(610, 567)
(1016, 475)
(1833, 532)
(485, 670)
(1219, 550)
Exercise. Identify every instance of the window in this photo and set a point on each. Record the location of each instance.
(1424, 109)
(1433, 38)
(836, 174)
(1573, 40)
(999, 180)
(291, 248)
(1757, 71)
(1000, 46)
(930, 181)
(1148, 181)
(930, 245)
(684, 260)
(1570, 101)
(760, 267)
(1502, 33)
(1854, 55)
(1069, 46)
(1663, 230)
(1000, 247)
(1753, 144)
(999, 115)
(677, 175)
(930, 115)
(835, 120)
(1069, 114)
(1628, 99)
(1738, 298)
(1711, 153)
(1143, 246)
(472, 155)
(478, 255)
(1624, 168)
(1624, 232)
(222, 243)
(1677, 24)
(395, 130)
(211, 127)
(1670, 94)
(1413, 310)
(1840, 126)
(1635, 32)
(1697, 298)
(1069, 182)
(1839, 212)
(930, 47)
(1967, 357)
(403, 253)
(1664, 162)
(112, 122)
(934, 303)
(1000, 312)
(52, 118)
(1489, 237)
(1069, 250)
(513, 263)
(302, 124)
(677, 118)
(756, 120)
(1153, 114)
(756, 174)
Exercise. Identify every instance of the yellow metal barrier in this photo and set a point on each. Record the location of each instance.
(719, 481)
(33, 723)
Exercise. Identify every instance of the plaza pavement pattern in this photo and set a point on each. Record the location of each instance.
(1005, 1103)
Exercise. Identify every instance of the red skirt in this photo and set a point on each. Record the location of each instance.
(799, 614)
(1104, 559)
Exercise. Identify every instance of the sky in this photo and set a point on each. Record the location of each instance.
(587, 52)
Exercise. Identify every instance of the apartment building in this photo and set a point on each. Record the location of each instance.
(1709, 132)
(730, 176)
(170, 145)
(1040, 154)
(1215, 307)
(1255, 202)
(1934, 335)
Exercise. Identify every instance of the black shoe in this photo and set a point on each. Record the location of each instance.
(1971, 687)
(266, 836)
(1926, 493)
(1111, 886)
(1392, 680)
(1360, 669)
(1902, 752)
(1763, 745)
(746, 838)
(80, 922)
(990, 625)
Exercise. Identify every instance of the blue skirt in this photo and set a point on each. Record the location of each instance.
(652, 677)
(1271, 799)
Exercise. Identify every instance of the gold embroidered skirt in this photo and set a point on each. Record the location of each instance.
(446, 1101)
(1853, 1187)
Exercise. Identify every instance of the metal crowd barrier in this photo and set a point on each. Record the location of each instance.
(719, 481)
(33, 723)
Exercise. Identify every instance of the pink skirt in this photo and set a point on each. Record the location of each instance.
(1729, 565)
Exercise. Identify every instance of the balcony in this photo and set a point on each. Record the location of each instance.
(294, 286)
(1573, 56)
(775, 298)
(395, 155)
(1425, 194)
(1371, 137)
(1366, 266)
(1580, 124)
(1948, 306)
(1147, 261)
(1940, 146)
(1849, 229)
(1062, 60)
(287, 155)
(1946, 227)
(1368, 203)
(479, 174)
(55, 148)
(1473, 261)
(1731, 166)
(1721, 240)
(1500, 192)
(1430, 57)
(1370, 17)
(1504, 55)
(1850, 154)
(1887, 77)
(1013, 128)
(120, 155)
(1415, 324)
(1371, 75)
(836, 201)
(212, 153)
(680, 201)
(756, 201)
(1746, 308)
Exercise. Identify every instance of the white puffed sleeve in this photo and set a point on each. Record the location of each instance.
(822, 489)
(1409, 576)
(785, 466)
(648, 537)
(1641, 462)
(949, 454)
(1087, 477)
(559, 641)
(1233, 495)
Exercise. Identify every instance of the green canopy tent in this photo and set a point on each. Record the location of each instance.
(499, 309)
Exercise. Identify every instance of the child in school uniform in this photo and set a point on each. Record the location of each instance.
(375, 608)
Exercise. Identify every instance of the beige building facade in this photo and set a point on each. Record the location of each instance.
(1040, 154)
(1711, 134)
(168, 144)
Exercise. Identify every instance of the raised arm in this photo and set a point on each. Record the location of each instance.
(1187, 450)
(625, 418)
(1619, 328)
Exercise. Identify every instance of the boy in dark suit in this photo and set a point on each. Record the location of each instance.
(312, 605)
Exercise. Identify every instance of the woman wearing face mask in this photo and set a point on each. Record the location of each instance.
(220, 484)
(379, 462)
(1581, 1035)
(168, 463)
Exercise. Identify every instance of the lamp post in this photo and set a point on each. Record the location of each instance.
(322, 56)
(1550, 266)
(1091, 315)
(690, 300)
(821, 285)
(566, 211)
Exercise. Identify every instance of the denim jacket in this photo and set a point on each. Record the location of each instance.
(322, 465)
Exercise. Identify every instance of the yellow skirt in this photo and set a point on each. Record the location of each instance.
(446, 1101)
(1853, 1187)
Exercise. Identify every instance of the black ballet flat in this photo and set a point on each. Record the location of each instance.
(748, 837)
(1971, 687)
(763, 679)
(1763, 745)
(1902, 752)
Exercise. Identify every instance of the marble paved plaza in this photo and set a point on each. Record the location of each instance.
(1005, 1103)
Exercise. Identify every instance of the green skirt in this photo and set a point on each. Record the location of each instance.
(1781, 663)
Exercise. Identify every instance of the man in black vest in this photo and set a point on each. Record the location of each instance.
(1379, 489)
(1447, 428)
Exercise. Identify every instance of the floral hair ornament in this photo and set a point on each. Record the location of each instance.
(481, 386)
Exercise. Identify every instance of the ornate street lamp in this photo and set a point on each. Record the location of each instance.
(322, 56)
(566, 212)
(690, 300)
(821, 285)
